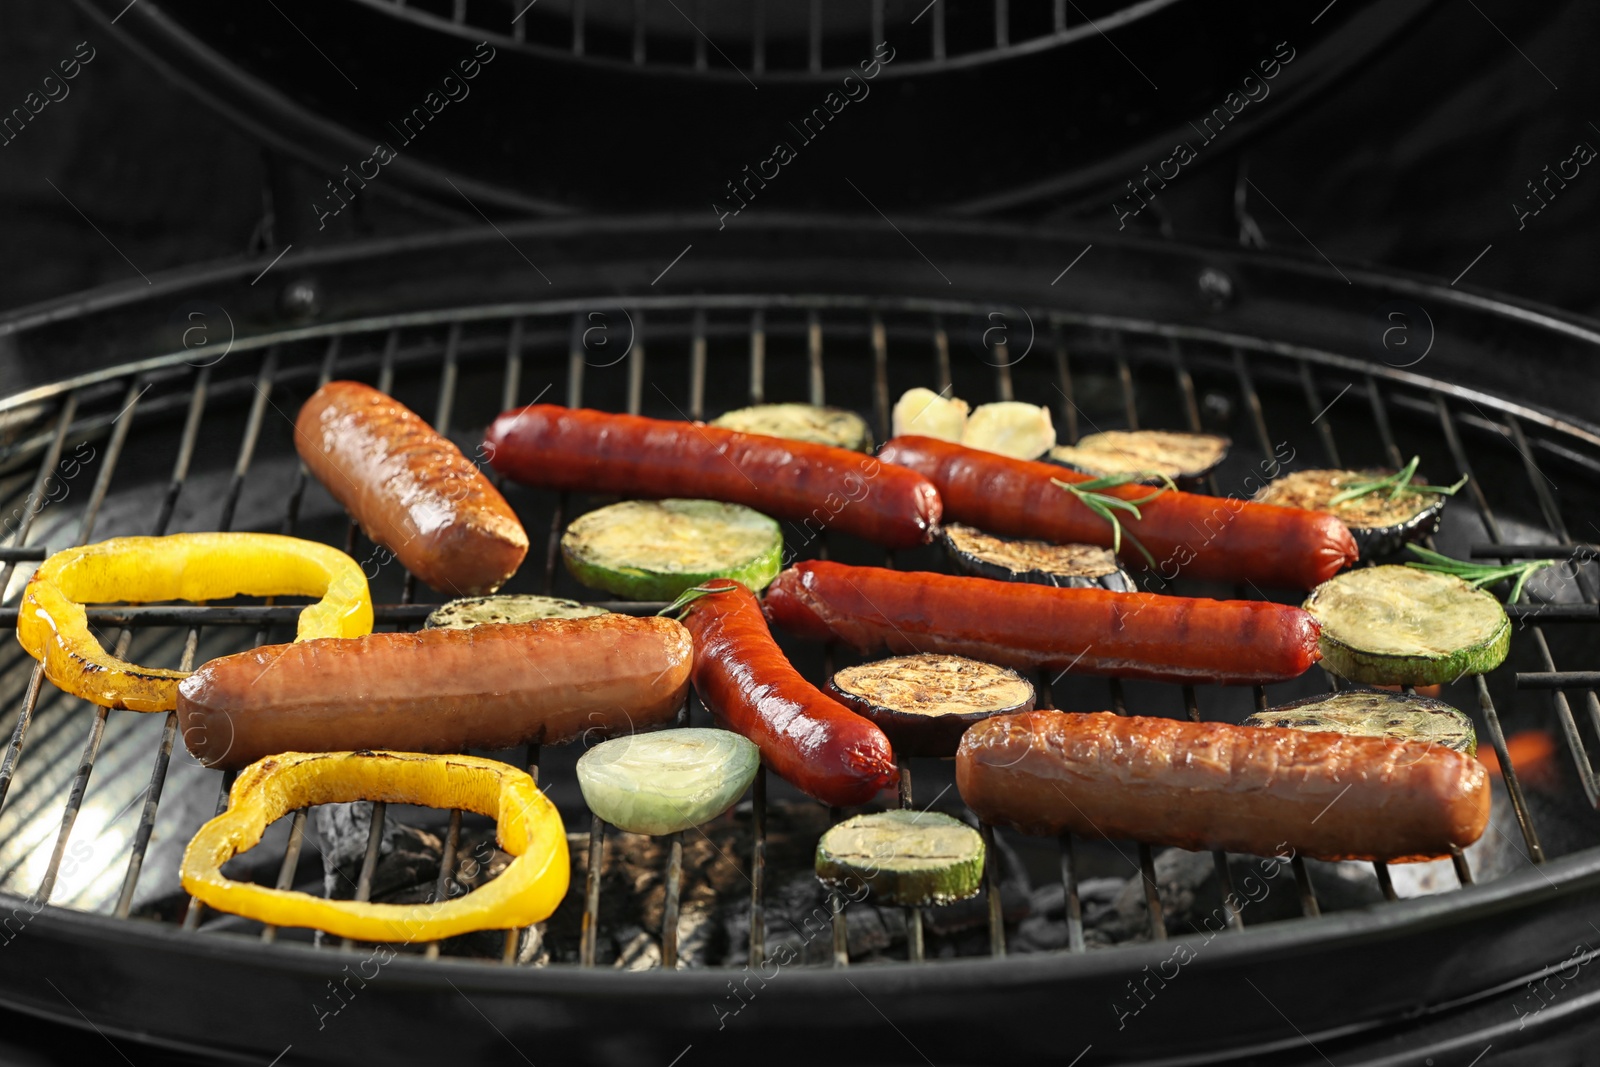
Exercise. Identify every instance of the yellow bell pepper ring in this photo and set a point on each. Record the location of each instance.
(528, 826)
(54, 628)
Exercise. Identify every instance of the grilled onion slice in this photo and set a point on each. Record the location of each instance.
(910, 858)
(670, 780)
(1404, 626)
(655, 549)
(1374, 713)
(1379, 524)
(925, 703)
(927, 414)
(1009, 559)
(1010, 428)
(1153, 452)
(801, 422)
(467, 612)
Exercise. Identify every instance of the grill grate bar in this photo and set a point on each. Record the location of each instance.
(1252, 399)
(369, 861)
(991, 890)
(47, 466)
(152, 795)
(941, 356)
(1497, 737)
(758, 356)
(814, 348)
(880, 367)
(758, 866)
(1380, 416)
(447, 866)
(286, 869)
(91, 746)
(1314, 405)
(697, 367)
(1069, 406)
(591, 891)
(1218, 856)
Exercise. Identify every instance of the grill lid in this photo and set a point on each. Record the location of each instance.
(968, 106)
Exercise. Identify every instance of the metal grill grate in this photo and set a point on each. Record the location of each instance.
(724, 351)
(808, 38)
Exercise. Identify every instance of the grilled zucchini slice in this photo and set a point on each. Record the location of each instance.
(802, 422)
(927, 414)
(1379, 525)
(668, 780)
(1010, 428)
(1009, 559)
(477, 610)
(1374, 713)
(1403, 626)
(655, 549)
(910, 858)
(925, 703)
(1156, 452)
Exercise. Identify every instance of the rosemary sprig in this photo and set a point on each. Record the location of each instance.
(1106, 505)
(1397, 483)
(1479, 575)
(677, 608)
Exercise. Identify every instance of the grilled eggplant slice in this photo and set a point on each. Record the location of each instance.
(473, 611)
(1010, 428)
(927, 414)
(1404, 626)
(1009, 559)
(1379, 524)
(910, 858)
(925, 703)
(1157, 453)
(666, 781)
(802, 422)
(1374, 713)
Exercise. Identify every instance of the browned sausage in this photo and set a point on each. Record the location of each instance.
(490, 686)
(1018, 624)
(412, 491)
(811, 740)
(813, 486)
(1218, 786)
(1185, 533)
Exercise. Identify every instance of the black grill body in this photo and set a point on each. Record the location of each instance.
(461, 325)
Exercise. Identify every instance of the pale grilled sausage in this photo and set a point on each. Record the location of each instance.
(411, 489)
(490, 686)
(1218, 786)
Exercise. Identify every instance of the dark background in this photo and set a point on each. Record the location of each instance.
(1413, 162)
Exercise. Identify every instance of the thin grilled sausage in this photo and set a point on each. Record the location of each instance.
(1218, 786)
(1196, 536)
(490, 686)
(811, 486)
(1017, 624)
(412, 490)
(811, 740)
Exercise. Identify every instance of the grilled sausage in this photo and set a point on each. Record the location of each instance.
(1196, 536)
(490, 686)
(412, 491)
(1091, 631)
(812, 741)
(814, 486)
(1217, 786)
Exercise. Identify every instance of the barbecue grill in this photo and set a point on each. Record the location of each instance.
(168, 407)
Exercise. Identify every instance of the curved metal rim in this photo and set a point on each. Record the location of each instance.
(1414, 285)
(1552, 880)
(967, 60)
